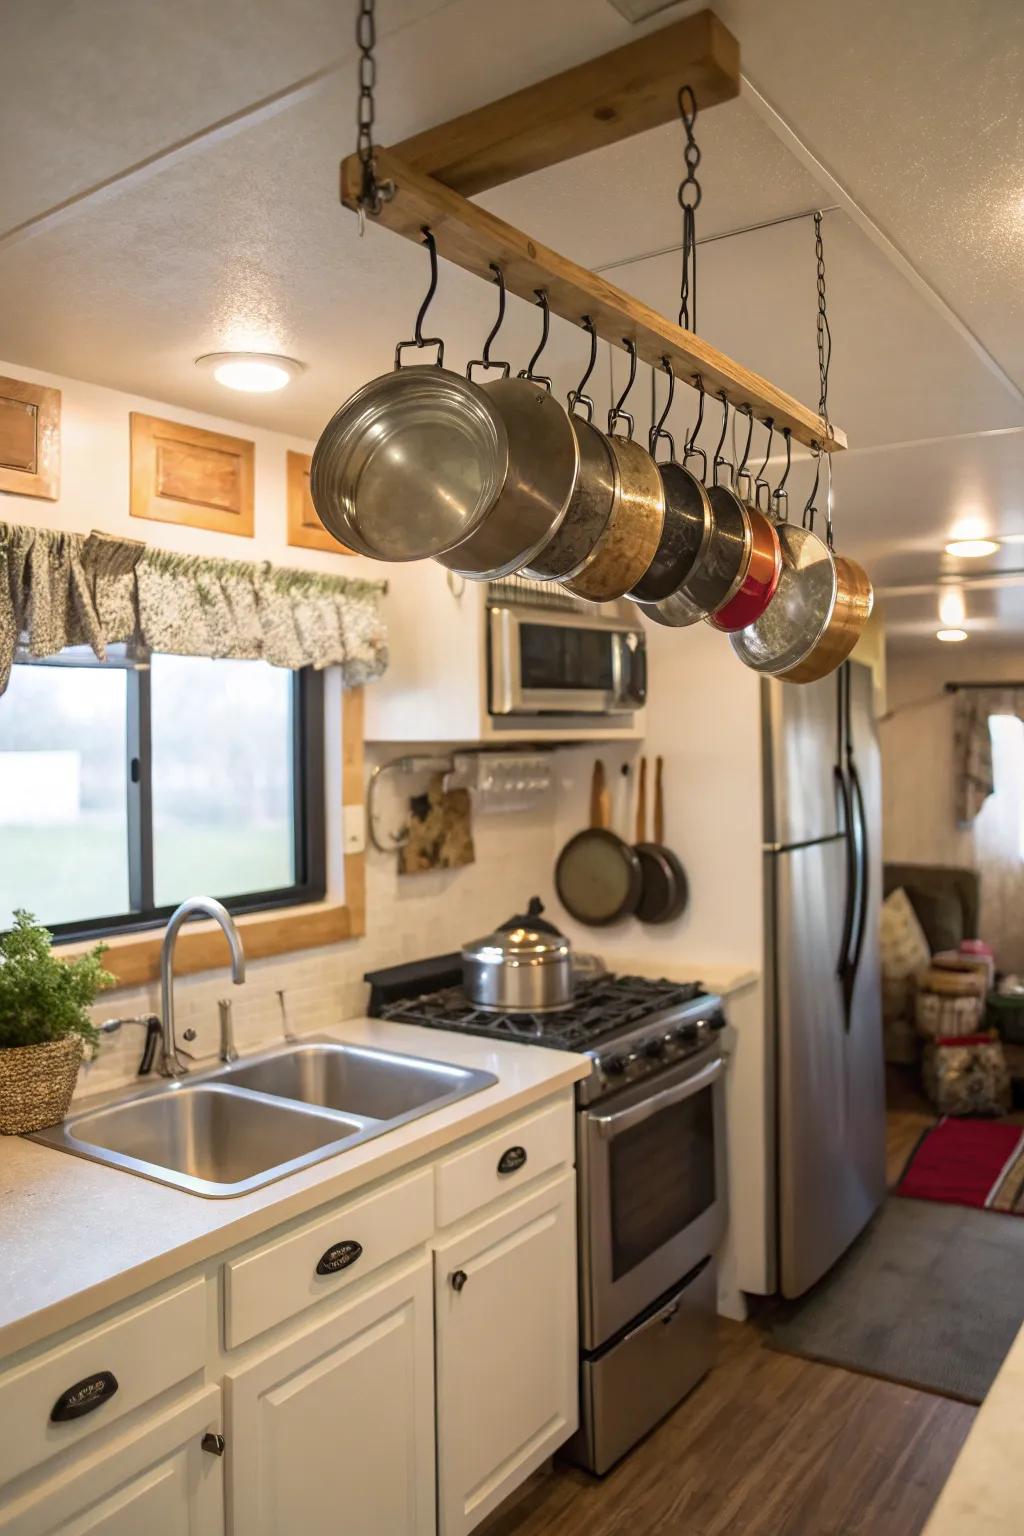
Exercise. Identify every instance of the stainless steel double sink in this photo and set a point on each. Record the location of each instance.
(235, 1128)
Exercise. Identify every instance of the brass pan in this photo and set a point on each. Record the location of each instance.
(854, 601)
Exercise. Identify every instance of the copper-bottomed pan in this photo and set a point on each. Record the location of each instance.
(629, 543)
(782, 639)
(850, 612)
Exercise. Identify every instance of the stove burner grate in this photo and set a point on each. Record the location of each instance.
(604, 1005)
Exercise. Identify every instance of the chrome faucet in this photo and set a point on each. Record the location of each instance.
(171, 1064)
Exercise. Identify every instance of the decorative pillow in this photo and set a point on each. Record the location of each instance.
(904, 947)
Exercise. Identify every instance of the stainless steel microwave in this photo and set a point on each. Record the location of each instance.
(578, 659)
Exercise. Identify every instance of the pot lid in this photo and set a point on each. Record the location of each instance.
(524, 940)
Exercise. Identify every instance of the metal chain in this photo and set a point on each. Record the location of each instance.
(373, 192)
(824, 336)
(689, 196)
(823, 328)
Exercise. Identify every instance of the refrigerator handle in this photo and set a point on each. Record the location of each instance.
(843, 962)
(863, 876)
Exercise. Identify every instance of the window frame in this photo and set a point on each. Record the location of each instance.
(309, 830)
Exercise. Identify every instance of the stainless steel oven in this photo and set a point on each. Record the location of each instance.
(551, 655)
(652, 1191)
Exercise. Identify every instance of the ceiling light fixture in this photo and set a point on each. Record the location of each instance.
(952, 608)
(257, 373)
(951, 636)
(972, 549)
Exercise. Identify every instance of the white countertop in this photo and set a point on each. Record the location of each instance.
(77, 1236)
(984, 1493)
(724, 977)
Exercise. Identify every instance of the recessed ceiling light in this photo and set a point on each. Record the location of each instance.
(257, 373)
(971, 549)
(952, 607)
(951, 636)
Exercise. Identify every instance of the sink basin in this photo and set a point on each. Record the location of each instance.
(353, 1079)
(233, 1129)
(215, 1140)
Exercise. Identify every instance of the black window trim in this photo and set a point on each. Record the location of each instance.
(308, 806)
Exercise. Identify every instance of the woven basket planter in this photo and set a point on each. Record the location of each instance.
(36, 1084)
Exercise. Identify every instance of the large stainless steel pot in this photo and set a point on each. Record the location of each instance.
(587, 514)
(524, 967)
(782, 639)
(534, 483)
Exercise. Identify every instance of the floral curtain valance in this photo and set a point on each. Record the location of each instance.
(972, 743)
(61, 589)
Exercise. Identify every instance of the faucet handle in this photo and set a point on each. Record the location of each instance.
(228, 1051)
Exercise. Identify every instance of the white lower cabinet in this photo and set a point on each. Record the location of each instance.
(334, 1430)
(506, 1347)
(158, 1482)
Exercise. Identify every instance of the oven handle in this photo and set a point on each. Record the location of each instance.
(610, 1125)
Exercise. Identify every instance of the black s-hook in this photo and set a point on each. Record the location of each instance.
(527, 372)
(617, 412)
(576, 396)
(485, 360)
(658, 429)
(418, 338)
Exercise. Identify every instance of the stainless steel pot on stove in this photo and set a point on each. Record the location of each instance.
(525, 966)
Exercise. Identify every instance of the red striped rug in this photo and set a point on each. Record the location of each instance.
(968, 1162)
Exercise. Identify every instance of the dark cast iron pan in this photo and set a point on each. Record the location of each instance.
(665, 887)
(598, 875)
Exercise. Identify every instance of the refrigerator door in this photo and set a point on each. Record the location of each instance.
(829, 1102)
(800, 736)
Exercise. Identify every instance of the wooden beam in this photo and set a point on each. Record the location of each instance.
(472, 238)
(596, 103)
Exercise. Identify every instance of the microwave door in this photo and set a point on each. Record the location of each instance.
(554, 663)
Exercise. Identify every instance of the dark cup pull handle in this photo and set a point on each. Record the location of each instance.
(84, 1397)
(512, 1159)
(459, 1278)
(213, 1443)
(339, 1256)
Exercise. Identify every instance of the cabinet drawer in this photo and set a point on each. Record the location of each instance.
(512, 1156)
(99, 1376)
(290, 1273)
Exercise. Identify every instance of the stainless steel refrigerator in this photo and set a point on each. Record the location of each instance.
(826, 1084)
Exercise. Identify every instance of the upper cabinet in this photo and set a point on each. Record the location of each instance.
(447, 677)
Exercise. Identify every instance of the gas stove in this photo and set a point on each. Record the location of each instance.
(631, 1027)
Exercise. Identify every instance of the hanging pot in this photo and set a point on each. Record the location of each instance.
(630, 540)
(783, 638)
(689, 522)
(850, 613)
(410, 465)
(579, 532)
(761, 578)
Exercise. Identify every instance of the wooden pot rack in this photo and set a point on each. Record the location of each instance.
(607, 99)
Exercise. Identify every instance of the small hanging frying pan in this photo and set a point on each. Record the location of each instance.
(665, 889)
(598, 876)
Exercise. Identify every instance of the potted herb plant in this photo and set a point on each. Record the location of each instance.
(44, 1026)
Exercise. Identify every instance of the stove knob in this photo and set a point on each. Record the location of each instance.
(615, 1066)
(717, 1019)
(655, 1048)
(687, 1033)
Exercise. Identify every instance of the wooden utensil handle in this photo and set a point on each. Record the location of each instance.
(641, 804)
(659, 801)
(600, 809)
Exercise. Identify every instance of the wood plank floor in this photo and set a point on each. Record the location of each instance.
(770, 1445)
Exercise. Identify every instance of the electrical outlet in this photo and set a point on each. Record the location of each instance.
(353, 829)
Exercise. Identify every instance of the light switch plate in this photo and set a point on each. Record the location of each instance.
(353, 829)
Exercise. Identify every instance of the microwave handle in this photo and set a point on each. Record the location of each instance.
(610, 1125)
(638, 674)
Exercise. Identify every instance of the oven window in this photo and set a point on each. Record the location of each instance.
(551, 656)
(662, 1178)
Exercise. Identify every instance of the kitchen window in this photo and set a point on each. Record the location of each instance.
(128, 785)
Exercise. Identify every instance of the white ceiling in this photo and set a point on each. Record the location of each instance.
(170, 188)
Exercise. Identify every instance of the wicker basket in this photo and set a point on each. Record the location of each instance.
(36, 1084)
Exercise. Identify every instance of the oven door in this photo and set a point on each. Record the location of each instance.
(544, 662)
(652, 1191)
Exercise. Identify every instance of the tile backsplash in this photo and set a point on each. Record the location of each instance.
(407, 916)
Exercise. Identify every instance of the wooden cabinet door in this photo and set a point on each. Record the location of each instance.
(334, 1431)
(505, 1313)
(159, 1482)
